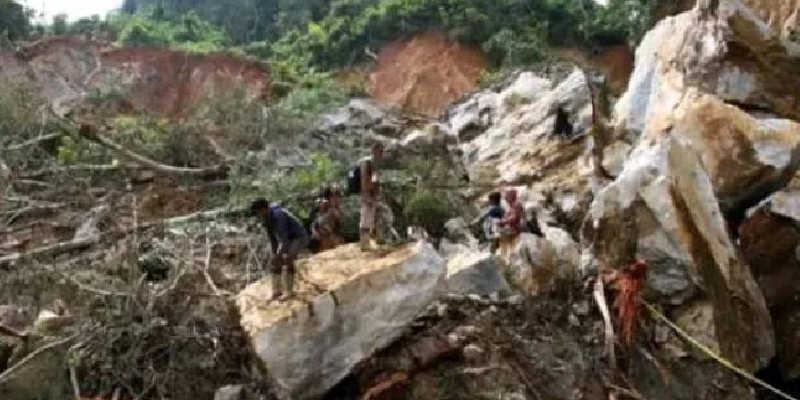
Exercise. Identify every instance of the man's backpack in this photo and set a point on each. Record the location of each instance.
(354, 179)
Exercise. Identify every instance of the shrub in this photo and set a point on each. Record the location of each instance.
(430, 211)
(22, 118)
(188, 32)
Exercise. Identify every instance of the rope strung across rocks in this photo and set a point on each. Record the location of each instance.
(716, 357)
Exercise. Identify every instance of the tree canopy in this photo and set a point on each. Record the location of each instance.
(300, 37)
(330, 33)
(14, 20)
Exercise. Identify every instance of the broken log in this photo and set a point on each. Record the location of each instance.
(51, 250)
(89, 132)
(33, 141)
(9, 373)
(6, 331)
(63, 247)
(72, 168)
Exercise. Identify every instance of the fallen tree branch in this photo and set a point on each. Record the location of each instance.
(16, 367)
(33, 183)
(218, 149)
(73, 168)
(516, 368)
(6, 331)
(207, 266)
(33, 141)
(623, 391)
(52, 250)
(62, 247)
(90, 289)
(73, 378)
(90, 133)
(30, 209)
(371, 54)
(204, 215)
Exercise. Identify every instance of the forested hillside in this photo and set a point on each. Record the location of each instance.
(551, 217)
(329, 34)
(298, 36)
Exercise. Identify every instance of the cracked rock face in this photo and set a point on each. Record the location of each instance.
(770, 239)
(739, 50)
(706, 112)
(667, 207)
(349, 304)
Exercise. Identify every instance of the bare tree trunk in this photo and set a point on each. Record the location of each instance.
(91, 133)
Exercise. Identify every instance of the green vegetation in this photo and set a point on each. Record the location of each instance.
(14, 20)
(301, 39)
(22, 119)
(296, 187)
(245, 21)
(512, 32)
(312, 35)
(430, 211)
(187, 32)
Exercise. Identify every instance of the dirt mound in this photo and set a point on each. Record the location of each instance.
(426, 73)
(73, 70)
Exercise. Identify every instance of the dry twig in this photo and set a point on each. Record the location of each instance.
(600, 298)
(207, 266)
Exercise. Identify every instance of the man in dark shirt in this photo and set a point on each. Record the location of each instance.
(288, 238)
(492, 220)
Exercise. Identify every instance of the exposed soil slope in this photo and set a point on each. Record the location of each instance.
(426, 73)
(71, 70)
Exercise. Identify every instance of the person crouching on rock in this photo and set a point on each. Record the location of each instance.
(491, 224)
(511, 224)
(325, 228)
(288, 239)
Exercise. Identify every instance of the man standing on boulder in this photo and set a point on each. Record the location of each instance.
(288, 238)
(370, 196)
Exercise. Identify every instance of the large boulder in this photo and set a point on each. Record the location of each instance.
(530, 263)
(471, 271)
(517, 147)
(770, 241)
(506, 137)
(349, 304)
(665, 207)
(746, 157)
(739, 50)
(566, 252)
